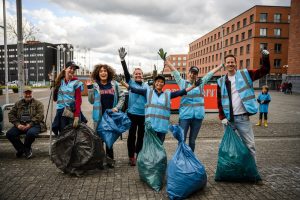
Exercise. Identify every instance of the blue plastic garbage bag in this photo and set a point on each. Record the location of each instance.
(185, 173)
(235, 162)
(112, 125)
(152, 159)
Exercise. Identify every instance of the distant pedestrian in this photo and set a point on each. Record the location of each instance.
(263, 99)
(67, 94)
(104, 93)
(27, 116)
(289, 88)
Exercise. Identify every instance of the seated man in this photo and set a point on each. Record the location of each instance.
(26, 116)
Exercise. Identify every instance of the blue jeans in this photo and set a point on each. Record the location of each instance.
(243, 127)
(13, 135)
(194, 125)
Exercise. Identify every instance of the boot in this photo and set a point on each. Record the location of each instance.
(259, 123)
(266, 123)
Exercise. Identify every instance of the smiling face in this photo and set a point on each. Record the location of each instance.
(230, 65)
(27, 96)
(70, 72)
(103, 74)
(192, 75)
(138, 75)
(159, 84)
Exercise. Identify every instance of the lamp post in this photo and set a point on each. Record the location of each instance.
(5, 53)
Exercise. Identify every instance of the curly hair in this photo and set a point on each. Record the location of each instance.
(110, 71)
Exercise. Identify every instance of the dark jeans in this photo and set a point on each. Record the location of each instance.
(194, 125)
(13, 135)
(60, 122)
(135, 144)
(265, 116)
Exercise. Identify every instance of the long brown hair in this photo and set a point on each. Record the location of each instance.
(57, 82)
(110, 71)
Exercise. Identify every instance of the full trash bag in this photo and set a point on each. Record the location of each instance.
(112, 125)
(235, 162)
(152, 159)
(185, 173)
(77, 150)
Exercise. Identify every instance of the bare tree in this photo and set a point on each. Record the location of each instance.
(29, 30)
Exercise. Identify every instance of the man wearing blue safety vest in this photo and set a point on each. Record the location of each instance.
(236, 98)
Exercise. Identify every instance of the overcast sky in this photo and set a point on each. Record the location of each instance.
(141, 26)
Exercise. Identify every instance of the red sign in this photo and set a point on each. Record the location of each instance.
(210, 97)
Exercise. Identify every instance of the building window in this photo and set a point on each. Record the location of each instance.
(263, 32)
(263, 17)
(277, 48)
(247, 63)
(277, 63)
(217, 45)
(237, 38)
(241, 64)
(244, 22)
(227, 31)
(235, 52)
(238, 25)
(243, 35)
(216, 57)
(174, 58)
(215, 36)
(241, 50)
(219, 34)
(277, 32)
(226, 42)
(249, 33)
(277, 17)
(214, 47)
(230, 52)
(251, 18)
(248, 49)
(231, 40)
(232, 27)
(289, 18)
(263, 46)
(179, 58)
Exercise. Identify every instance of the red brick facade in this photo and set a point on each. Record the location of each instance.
(179, 61)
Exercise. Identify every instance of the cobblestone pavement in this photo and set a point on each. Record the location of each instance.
(278, 153)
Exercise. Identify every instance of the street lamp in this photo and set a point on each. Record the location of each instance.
(5, 52)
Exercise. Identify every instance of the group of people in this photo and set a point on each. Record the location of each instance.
(235, 95)
(286, 87)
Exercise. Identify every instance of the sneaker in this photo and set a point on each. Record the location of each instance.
(132, 161)
(19, 154)
(28, 153)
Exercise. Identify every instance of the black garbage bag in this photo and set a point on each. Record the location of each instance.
(77, 150)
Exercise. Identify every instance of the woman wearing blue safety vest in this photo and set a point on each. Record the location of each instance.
(157, 108)
(67, 94)
(104, 93)
(135, 111)
(191, 110)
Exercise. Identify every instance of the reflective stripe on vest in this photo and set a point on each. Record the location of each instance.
(157, 110)
(192, 104)
(66, 93)
(243, 84)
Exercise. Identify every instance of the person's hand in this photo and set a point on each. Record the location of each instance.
(122, 53)
(198, 82)
(118, 78)
(225, 121)
(28, 126)
(75, 122)
(114, 109)
(265, 53)
(262, 102)
(162, 54)
(21, 127)
(89, 82)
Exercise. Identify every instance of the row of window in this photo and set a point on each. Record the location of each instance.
(25, 49)
(179, 58)
(16, 68)
(26, 55)
(179, 64)
(263, 32)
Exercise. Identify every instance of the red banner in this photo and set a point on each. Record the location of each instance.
(210, 97)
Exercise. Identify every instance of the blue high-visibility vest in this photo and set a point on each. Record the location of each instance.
(192, 104)
(66, 93)
(157, 110)
(136, 102)
(244, 86)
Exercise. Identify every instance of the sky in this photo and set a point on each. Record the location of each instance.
(98, 28)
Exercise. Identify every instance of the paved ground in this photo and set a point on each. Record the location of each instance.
(278, 153)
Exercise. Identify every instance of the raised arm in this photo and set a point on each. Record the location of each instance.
(210, 74)
(135, 90)
(122, 54)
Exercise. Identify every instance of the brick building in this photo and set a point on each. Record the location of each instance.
(260, 27)
(180, 63)
(293, 70)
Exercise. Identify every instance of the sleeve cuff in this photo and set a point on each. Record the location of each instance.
(90, 86)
